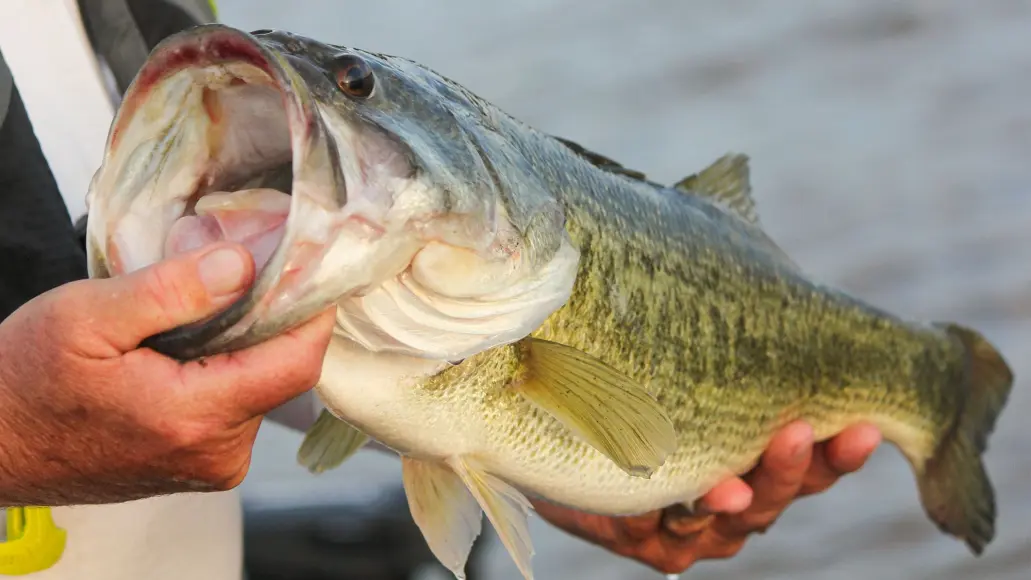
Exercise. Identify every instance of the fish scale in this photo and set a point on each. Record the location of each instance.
(732, 340)
(519, 316)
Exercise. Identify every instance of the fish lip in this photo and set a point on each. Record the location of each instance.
(198, 47)
(215, 44)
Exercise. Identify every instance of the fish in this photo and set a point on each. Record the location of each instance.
(517, 316)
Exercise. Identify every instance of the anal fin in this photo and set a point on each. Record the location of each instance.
(328, 443)
(448, 516)
(605, 408)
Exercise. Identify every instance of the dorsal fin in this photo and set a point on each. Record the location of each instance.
(600, 161)
(726, 181)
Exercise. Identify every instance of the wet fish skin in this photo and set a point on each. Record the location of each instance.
(682, 292)
(733, 354)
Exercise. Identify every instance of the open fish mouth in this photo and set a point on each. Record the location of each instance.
(383, 204)
(217, 139)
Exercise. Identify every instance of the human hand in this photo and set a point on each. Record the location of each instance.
(672, 540)
(88, 417)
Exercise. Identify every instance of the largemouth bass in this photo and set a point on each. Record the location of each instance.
(517, 315)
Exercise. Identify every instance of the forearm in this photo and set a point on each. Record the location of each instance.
(38, 468)
(12, 492)
(31, 474)
(16, 469)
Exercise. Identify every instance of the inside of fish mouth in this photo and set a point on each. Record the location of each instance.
(244, 196)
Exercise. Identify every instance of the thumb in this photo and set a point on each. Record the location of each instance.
(127, 309)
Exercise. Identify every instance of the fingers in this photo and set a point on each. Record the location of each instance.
(120, 312)
(681, 522)
(607, 531)
(567, 519)
(592, 528)
(733, 510)
(849, 451)
(753, 506)
(252, 382)
(845, 453)
(730, 497)
(637, 528)
(775, 482)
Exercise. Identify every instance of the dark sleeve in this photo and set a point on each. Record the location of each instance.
(38, 246)
(123, 32)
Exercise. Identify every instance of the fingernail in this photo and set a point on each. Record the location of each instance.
(798, 452)
(223, 272)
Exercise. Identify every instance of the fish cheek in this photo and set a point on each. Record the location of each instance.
(461, 273)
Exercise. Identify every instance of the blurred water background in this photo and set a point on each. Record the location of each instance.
(891, 156)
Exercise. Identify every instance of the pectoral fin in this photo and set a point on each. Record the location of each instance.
(328, 443)
(607, 409)
(446, 513)
(505, 507)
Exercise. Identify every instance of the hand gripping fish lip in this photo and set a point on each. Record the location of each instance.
(237, 85)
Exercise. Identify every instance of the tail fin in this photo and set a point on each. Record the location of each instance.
(954, 486)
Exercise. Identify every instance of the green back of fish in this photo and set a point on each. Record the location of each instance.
(684, 292)
(680, 290)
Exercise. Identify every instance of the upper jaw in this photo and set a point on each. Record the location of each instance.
(216, 44)
(164, 143)
(147, 181)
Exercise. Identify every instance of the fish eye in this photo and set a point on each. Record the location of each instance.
(354, 76)
(262, 32)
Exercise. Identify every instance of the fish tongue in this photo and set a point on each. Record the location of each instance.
(191, 232)
(252, 217)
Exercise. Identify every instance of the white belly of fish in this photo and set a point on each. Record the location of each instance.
(461, 455)
(376, 393)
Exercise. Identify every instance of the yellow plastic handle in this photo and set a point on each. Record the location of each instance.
(34, 542)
